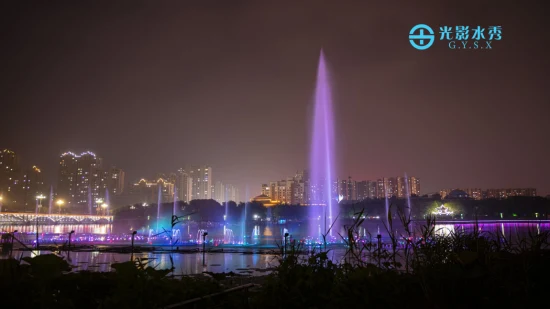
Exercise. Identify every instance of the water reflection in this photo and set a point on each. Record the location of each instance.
(264, 233)
(239, 259)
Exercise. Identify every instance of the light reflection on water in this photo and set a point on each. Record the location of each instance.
(261, 234)
(258, 233)
(190, 263)
(490, 229)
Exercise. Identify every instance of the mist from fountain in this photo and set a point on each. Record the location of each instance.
(243, 219)
(159, 201)
(255, 237)
(107, 201)
(409, 206)
(90, 199)
(175, 207)
(243, 223)
(387, 213)
(225, 217)
(50, 206)
(228, 236)
(200, 238)
(176, 233)
(322, 150)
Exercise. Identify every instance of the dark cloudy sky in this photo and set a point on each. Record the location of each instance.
(155, 85)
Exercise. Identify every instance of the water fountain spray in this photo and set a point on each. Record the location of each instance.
(322, 149)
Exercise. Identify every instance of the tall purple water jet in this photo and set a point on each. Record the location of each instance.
(322, 151)
(50, 206)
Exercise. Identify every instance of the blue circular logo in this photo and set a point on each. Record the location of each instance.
(419, 39)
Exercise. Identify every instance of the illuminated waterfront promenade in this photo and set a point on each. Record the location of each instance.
(10, 218)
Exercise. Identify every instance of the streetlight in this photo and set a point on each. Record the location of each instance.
(39, 199)
(98, 202)
(105, 209)
(204, 247)
(379, 237)
(12, 239)
(1, 198)
(286, 237)
(60, 203)
(70, 234)
(133, 235)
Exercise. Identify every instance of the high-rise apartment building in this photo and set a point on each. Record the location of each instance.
(29, 186)
(362, 190)
(19, 186)
(147, 191)
(292, 190)
(9, 169)
(219, 193)
(380, 188)
(201, 178)
(298, 190)
(509, 192)
(266, 190)
(232, 193)
(184, 185)
(372, 189)
(407, 186)
(9, 177)
(478, 194)
(386, 187)
(474, 193)
(341, 188)
(347, 189)
(115, 180)
(81, 179)
(414, 184)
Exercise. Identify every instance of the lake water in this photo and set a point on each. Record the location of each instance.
(257, 257)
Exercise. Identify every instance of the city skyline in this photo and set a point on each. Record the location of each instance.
(85, 183)
(151, 93)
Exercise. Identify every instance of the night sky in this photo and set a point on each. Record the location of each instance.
(156, 85)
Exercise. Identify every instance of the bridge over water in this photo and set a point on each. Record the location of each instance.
(11, 218)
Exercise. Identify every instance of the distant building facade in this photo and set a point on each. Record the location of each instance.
(297, 189)
(225, 192)
(478, 194)
(201, 182)
(18, 186)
